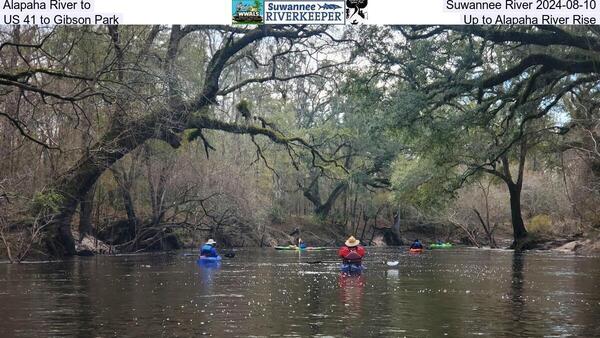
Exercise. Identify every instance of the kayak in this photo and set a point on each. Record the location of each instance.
(204, 259)
(440, 246)
(411, 250)
(351, 268)
(293, 247)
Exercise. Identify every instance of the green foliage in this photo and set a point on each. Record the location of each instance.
(421, 183)
(46, 203)
(450, 137)
(541, 224)
(244, 108)
(192, 134)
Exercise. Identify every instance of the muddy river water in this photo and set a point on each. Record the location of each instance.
(264, 292)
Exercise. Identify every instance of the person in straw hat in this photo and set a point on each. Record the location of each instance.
(208, 249)
(352, 252)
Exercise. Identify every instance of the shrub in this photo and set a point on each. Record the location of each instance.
(45, 203)
(540, 224)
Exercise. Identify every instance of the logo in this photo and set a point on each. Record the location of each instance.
(305, 12)
(247, 12)
(356, 12)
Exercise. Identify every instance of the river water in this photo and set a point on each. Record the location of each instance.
(263, 292)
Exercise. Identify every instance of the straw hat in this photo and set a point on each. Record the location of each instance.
(351, 241)
(211, 242)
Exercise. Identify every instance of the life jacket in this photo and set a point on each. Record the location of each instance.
(208, 251)
(352, 256)
(416, 245)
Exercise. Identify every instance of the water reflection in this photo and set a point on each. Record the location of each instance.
(517, 301)
(208, 273)
(351, 292)
(517, 281)
(393, 274)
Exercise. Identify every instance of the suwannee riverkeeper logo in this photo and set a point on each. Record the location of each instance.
(329, 12)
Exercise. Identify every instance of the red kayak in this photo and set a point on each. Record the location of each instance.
(411, 250)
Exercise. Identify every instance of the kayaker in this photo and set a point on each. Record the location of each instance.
(416, 245)
(352, 252)
(301, 244)
(208, 249)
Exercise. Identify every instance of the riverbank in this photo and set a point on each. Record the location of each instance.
(583, 246)
(314, 233)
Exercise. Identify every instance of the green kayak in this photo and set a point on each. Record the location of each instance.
(441, 246)
(293, 247)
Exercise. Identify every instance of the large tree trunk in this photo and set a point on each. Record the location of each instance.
(514, 189)
(157, 186)
(59, 238)
(74, 185)
(519, 231)
(313, 194)
(125, 179)
(132, 219)
(130, 209)
(396, 227)
(85, 214)
(324, 209)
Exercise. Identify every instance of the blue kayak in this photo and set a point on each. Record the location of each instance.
(204, 259)
(351, 268)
